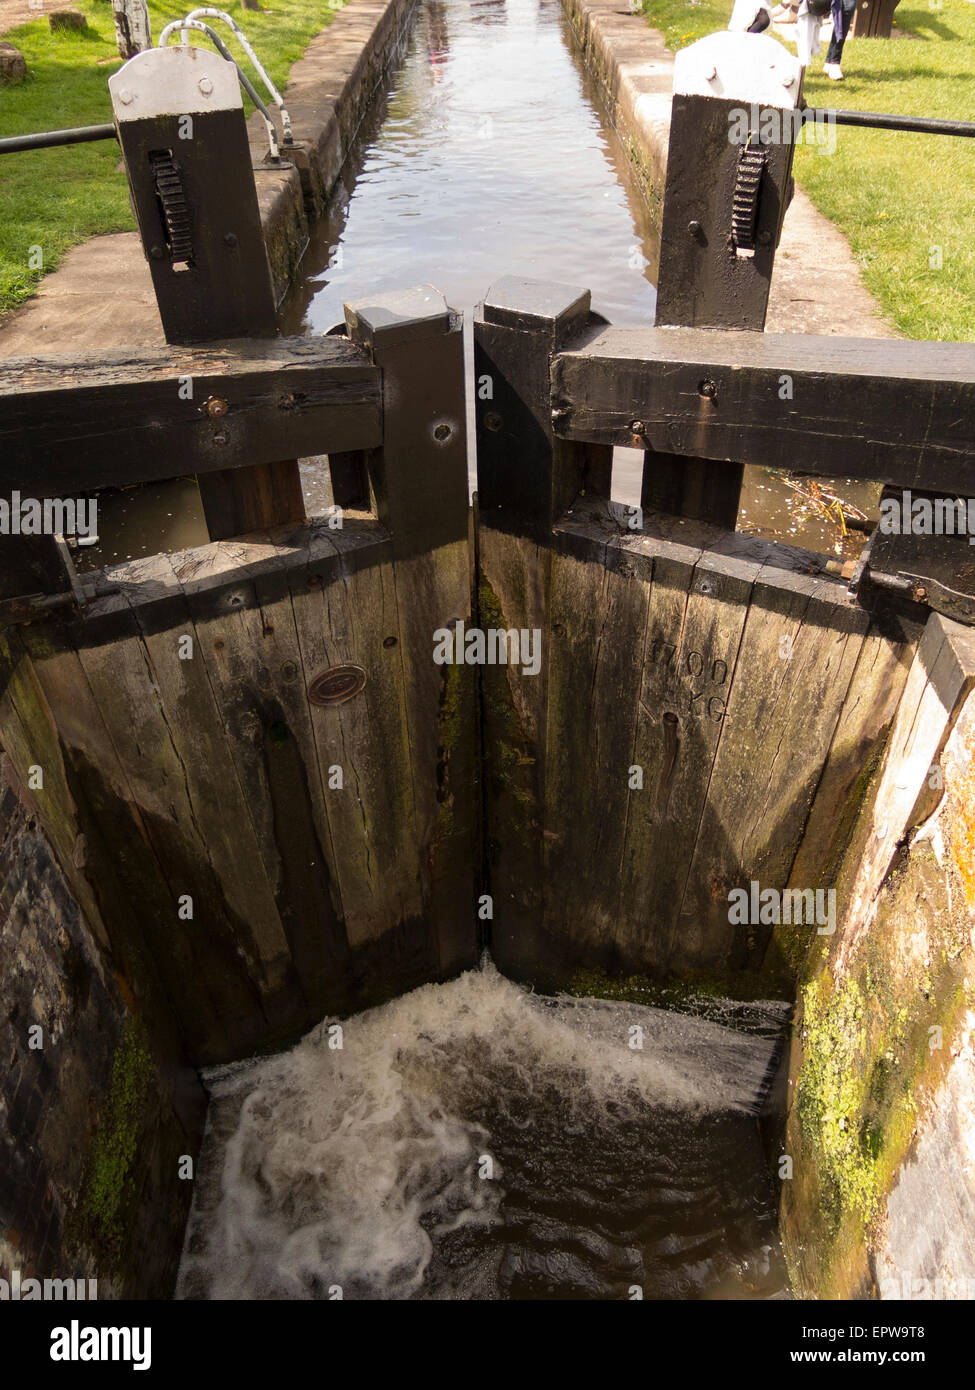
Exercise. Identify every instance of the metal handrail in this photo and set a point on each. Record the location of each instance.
(883, 120)
(273, 92)
(245, 81)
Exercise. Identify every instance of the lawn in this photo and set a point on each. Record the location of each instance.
(52, 199)
(904, 201)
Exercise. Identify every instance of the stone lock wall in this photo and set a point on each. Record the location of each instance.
(92, 1124)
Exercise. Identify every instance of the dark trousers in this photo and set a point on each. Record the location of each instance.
(845, 14)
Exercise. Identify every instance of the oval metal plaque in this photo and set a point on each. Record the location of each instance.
(337, 684)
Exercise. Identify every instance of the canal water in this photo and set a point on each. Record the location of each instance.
(474, 1140)
(489, 156)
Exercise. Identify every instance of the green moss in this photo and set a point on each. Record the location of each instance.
(107, 1194)
(453, 680)
(866, 1063)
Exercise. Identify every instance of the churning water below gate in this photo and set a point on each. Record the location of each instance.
(474, 1140)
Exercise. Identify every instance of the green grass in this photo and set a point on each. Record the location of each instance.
(54, 199)
(896, 196)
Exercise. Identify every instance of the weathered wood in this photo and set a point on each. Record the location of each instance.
(938, 684)
(715, 262)
(372, 816)
(92, 823)
(31, 565)
(799, 648)
(691, 487)
(705, 280)
(896, 412)
(419, 483)
(594, 660)
(169, 738)
(123, 416)
(689, 674)
(188, 981)
(864, 724)
(252, 662)
(180, 120)
(526, 481)
(873, 19)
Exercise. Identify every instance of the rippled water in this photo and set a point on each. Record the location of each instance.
(474, 1140)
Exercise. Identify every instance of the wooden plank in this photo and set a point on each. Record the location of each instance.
(252, 663)
(716, 271)
(121, 417)
(598, 613)
(187, 156)
(29, 735)
(187, 995)
(896, 412)
(167, 735)
(419, 480)
(781, 715)
(691, 663)
(527, 480)
(513, 581)
(868, 712)
(939, 682)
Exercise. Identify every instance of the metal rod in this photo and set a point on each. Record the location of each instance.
(47, 139)
(882, 120)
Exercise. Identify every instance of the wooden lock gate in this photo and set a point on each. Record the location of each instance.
(269, 798)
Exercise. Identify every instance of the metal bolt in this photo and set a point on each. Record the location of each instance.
(156, 252)
(788, 81)
(206, 86)
(230, 239)
(492, 421)
(708, 388)
(442, 433)
(219, 439)
(637, 427)
(125, 96)
(694, 228)
(215, 406)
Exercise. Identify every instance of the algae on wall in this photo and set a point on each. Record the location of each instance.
(882, 1014)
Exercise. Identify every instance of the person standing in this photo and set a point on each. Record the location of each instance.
(842, 13)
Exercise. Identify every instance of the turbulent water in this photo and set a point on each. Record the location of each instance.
(473, 1140)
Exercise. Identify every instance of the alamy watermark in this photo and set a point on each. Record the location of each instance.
(498, 646)
(773, 907)
(52, 516)
(773, 125)
(17, 1289)
(908, 515)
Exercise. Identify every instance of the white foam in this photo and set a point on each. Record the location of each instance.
(327, 1167)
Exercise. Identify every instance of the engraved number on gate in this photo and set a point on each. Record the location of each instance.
(692, 667)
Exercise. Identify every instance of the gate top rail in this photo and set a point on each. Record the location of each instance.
(138, 416)
(886, 410)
